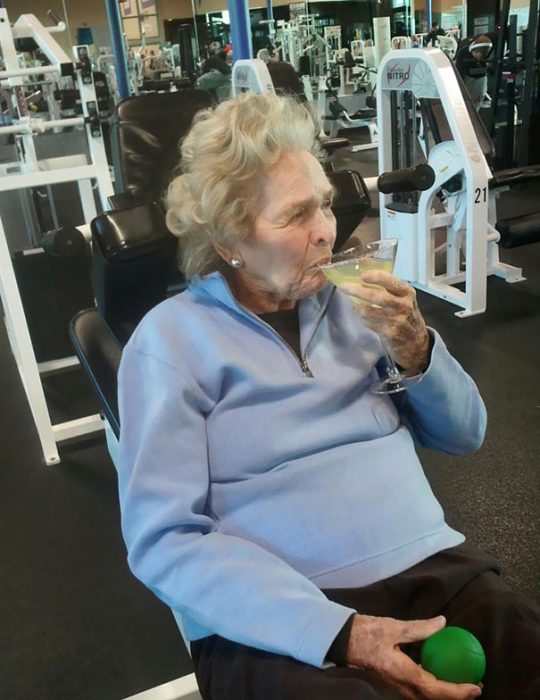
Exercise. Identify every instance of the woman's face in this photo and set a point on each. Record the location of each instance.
(293, 233)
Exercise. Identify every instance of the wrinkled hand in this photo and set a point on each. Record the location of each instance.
(396, 316)
(374, 645)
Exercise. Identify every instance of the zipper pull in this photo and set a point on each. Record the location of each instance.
(305, 368)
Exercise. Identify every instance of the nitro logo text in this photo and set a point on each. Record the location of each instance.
(398, 74)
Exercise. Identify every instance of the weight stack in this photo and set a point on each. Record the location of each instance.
(52, 290)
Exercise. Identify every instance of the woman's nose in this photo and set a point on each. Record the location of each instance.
(324, 227)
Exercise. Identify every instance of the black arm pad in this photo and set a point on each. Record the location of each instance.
(421, 177)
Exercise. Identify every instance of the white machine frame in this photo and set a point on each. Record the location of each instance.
(29, 171)
(251, 74)
(469, 215)
(184, 688)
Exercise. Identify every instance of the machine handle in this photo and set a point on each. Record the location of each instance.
(51, 14)
(421, 177)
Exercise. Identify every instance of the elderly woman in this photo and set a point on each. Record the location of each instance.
(273, 501)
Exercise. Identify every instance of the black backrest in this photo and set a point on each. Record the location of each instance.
(286, 80)
(351, 203)
(433, 112)
(133, 260)
(145, 136)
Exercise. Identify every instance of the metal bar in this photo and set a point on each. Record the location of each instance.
(508, 140)
(48, 45)
(52, 205)
(240, 28)
(66, 18)
(76, 428)
(41, 125)
(6, 74)
(95, 140)
(55, 365)
(23, 351)
(394, 118)
(530, 52)
(496, 68)
(29, 212)
(40, 178)
(26, 32)
(86, 195)
(9, 53)
(184, 688)
(57, 29)
(117, 40)
(196, 31)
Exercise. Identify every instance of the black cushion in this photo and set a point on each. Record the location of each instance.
(519, 230)
(123, 234)
(286, 80)
(146, 131)
(133, 261)
(99, 353)
(351, 203)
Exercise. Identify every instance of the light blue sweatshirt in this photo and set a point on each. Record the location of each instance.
(247, 485)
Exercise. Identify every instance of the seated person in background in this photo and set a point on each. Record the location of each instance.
(216, 75)
(431, 37)
(267, 495)
(472, 62)
(148, 69)
(217, 61)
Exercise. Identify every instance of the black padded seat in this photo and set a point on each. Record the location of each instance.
(512, 176)
(519, 230)
(364, 113)
(99, 353)
(145, 136)
(133, 260)
(331, 145)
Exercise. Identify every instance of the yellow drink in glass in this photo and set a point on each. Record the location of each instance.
(347, 267)
(350, 271)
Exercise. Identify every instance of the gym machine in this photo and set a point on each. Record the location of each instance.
(515, 80)
(420, 101)
(29, 171)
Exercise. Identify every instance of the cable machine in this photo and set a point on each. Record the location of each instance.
(461, 199)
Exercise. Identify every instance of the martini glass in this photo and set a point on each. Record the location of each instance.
(347, 267)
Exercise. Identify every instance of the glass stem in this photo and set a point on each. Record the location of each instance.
(393, 371)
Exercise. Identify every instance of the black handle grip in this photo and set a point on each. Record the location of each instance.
(421, 177)
(51, 14)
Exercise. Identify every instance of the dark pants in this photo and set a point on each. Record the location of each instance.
(461, 583)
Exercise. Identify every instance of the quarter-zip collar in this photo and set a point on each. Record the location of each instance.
(311, 310)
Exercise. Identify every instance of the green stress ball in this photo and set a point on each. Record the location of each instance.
(455, 655)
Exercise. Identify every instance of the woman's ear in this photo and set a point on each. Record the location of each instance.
(223, 252)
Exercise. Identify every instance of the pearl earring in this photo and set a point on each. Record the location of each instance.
(236, 263)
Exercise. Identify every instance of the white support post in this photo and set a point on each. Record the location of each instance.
(24, 352)
(94, 133)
